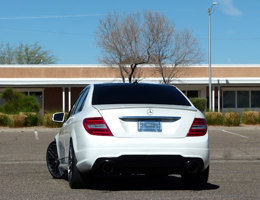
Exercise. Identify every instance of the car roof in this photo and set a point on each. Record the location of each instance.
(134, 84)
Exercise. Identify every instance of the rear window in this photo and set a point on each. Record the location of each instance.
(137, 94)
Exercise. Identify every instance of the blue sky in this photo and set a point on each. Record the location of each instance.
(67, 28)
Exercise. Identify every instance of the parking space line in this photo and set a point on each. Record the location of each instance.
(21, 162)
(236, 134)
(212, 161)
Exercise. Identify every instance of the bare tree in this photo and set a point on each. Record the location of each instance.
(147, 38)
(123, 44)
(183, 50)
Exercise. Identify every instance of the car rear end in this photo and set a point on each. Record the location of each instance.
(142, 128)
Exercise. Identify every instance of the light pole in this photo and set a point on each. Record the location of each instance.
(209, 12)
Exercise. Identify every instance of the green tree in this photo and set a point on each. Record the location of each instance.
(16, 102)
(7, 54)
(25, 54)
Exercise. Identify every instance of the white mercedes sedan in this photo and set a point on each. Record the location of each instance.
(132, 128)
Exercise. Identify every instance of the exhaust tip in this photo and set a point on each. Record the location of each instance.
(192, 167)
(107, 167)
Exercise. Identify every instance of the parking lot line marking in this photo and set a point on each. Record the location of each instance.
(236, 134)
(21, 162)
(234, 161)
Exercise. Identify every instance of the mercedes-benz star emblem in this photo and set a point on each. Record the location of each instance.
(149, 111)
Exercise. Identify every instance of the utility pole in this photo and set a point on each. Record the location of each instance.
(210, 99)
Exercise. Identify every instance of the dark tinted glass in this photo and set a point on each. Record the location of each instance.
(255, 99)
(82, 101)
(243, 99)
(137, 94)
(193, 93)
(229, 99)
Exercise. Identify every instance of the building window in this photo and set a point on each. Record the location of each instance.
(193, 93)
(243, 99)
(229, 99)
(255, 99)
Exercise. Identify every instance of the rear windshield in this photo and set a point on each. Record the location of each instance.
(137, 94)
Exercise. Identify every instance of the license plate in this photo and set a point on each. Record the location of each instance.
(149, 126)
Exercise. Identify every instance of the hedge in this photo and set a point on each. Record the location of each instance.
(4, 120)
(28, 120)
(33, 120)
(214, 118)
(250, 117)
(231, 119)
(199, 103)
(17, 120)
(20, 120)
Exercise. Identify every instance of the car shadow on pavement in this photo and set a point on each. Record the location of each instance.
(141, 182)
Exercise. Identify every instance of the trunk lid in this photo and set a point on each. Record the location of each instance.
(159, 121)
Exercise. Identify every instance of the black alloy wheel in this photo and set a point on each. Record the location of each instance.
(53, 160)
(75, 178)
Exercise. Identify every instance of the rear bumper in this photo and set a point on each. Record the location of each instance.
(162, 164)
(142, 153)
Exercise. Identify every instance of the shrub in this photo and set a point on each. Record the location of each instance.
(231, 119)
(250, 117)
(16, 102)
(17, 120)
(30, 104)
(33, 120)
(199, 103)
(8, 109)
(4, 120)
(214, 118)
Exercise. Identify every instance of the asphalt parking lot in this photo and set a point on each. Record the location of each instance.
(234, 172)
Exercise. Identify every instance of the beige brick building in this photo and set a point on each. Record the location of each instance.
(234, 87)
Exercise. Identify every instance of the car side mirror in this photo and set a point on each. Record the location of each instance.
(58, 117)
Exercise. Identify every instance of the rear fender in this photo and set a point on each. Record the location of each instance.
(73, 139)
(60, 148)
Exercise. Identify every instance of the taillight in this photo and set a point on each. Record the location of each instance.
(198, 128)
(96, 126)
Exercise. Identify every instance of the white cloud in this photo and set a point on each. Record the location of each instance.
(227, 6)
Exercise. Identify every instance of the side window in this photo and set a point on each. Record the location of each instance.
(74, 107)
(81, 102)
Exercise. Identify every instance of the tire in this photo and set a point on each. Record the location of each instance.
(197, 180)
(52, 161)
(75, 178)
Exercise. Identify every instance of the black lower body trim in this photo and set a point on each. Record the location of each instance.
(168, 164)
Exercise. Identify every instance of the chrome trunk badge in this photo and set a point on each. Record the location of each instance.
(149, 111)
